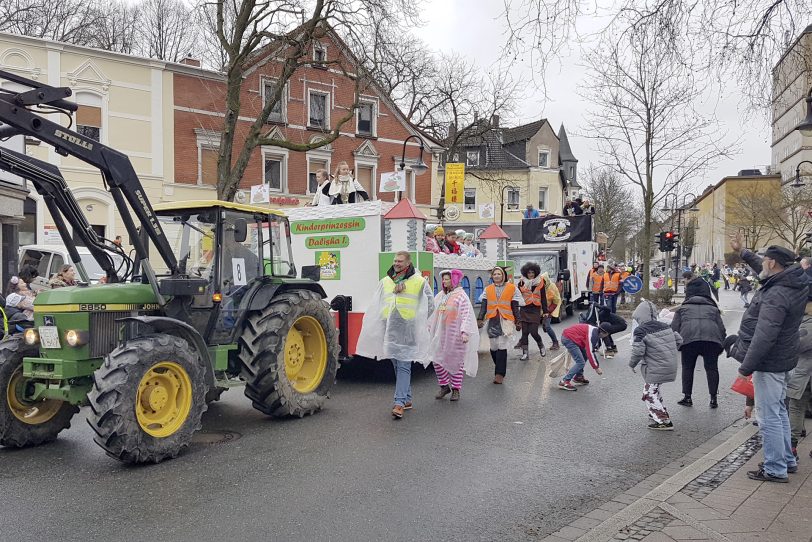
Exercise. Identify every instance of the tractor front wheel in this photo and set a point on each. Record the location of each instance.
(148, 399)
(24, 422)
(289, 355)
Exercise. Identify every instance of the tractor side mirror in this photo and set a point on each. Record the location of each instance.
(240, 230)
(312, 272)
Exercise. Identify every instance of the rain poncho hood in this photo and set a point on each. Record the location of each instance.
(453, 316)
(392, 336)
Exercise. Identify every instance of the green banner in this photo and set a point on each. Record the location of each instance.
(327, 241)
(328, 225)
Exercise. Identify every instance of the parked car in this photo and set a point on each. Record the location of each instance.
(48, 259)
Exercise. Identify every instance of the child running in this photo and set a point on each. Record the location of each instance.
(655, 349)
(581, 341)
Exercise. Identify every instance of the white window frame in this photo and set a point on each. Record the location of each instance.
(546, 152)
(370, 164)
(208, 140)
(284, 101)
(546, 198)
(326, 95)
(282, 157)
(373, 128)
(513, 206)
(92, 98)
(323, 48)
(465, 209)
(315, 158)
(468, 158)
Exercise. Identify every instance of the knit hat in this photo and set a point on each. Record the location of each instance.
(430, 228)
(439, 230)
(470, 236)
(460, 233)
(698, 287)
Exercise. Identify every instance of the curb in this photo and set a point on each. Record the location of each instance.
(603, 524)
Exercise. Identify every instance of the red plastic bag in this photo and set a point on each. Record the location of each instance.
(744, 386)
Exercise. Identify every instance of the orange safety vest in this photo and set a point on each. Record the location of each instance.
(532, 297)
(500, 307)
(597, 282)
(624, 275)
(612, 283)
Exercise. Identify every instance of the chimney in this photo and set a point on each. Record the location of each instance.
(494, 121)
(190, 61)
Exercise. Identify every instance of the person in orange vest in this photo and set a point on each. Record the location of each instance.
(532, 288)
(597, 281)
(611, 287)
(499, 306)
(590, 279)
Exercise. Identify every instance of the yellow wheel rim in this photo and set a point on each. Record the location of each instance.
(305, 354)
(164, 399)
(30, 412)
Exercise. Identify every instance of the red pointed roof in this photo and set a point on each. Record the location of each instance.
(404, 209)
(494, 232)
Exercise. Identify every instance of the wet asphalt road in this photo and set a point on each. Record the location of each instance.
(511, 462)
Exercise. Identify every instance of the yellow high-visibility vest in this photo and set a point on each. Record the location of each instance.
(406, 301)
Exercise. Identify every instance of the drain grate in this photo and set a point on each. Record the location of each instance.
(215, 437)
(712, 478)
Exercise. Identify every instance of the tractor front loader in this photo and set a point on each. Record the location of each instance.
(210, 299)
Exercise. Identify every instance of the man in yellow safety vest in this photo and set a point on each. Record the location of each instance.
(395, 325)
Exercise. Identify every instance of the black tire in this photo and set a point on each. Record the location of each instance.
(262, 355)
(569, 309)
(113, 399)
(14, 432)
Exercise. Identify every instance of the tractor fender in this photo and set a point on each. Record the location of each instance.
(264, 294)
(163, 324)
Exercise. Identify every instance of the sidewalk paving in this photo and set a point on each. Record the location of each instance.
(707, 496)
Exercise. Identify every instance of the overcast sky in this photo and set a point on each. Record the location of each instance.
(474, 28)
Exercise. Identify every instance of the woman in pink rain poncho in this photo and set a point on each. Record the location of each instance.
(454, 335)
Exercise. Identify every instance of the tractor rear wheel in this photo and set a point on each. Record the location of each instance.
(148, 399)
(289, 354)
(24, 422)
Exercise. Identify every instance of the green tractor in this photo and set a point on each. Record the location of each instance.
(150, 345)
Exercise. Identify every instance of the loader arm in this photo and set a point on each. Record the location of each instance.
(116, 169)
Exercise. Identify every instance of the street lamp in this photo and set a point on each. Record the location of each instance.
(419, 167)
(798, 182)
(502, 205)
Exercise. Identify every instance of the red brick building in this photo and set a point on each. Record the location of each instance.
(315, 98)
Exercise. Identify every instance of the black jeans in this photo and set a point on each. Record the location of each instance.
(530, 329)
(710, 357)
(500, 360)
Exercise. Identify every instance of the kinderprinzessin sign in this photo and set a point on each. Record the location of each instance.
(329, 225)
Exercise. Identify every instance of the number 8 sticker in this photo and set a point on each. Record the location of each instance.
(238, 271)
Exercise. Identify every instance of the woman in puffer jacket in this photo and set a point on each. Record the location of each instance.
(699, 321)
(655, 349)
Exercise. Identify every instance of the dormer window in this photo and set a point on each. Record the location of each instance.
(472, 158)
(320, 56)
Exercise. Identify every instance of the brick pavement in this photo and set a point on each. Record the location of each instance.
(706, 495)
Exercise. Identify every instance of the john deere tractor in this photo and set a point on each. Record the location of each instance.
(208, 299)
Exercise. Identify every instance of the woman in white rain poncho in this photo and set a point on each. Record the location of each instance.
(454, 335)
(395, 325)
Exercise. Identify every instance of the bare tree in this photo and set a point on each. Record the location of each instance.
(118, 28)
(615, 211)
(72, 21)
(166, 29)
(790, 216)
(643, 119)
(748, 214)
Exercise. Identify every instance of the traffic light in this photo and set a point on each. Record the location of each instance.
(669, 240)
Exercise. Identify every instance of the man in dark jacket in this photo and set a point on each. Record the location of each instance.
(767, 346)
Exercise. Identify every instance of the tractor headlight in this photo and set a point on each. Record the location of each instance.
(31, 336)
(76, 338)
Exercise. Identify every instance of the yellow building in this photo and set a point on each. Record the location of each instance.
(505, 170)
(734, 204)
(792, 83)
(124, 101)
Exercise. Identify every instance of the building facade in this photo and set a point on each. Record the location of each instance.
(166, 117)
(792, 83)
(505, 170)
(732, 205)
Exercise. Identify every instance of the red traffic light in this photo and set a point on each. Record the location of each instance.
(669, 235)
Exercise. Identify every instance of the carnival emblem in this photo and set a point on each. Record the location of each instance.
(557, 229)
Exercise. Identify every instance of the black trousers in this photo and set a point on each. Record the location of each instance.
(530, 329)
(500, 360)
(710, 357)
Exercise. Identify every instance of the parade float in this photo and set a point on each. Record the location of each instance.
(354, 245)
